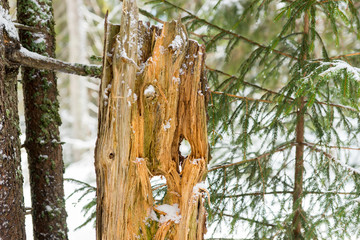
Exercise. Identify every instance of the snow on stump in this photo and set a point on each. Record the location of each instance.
(152, 96)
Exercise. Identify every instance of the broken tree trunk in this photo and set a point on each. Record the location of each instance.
(152, 96)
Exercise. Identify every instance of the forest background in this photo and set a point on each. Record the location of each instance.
(252, 127)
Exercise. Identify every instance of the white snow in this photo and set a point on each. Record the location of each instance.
(195, 161)
(162, 49)
(199, 186)
(176, 43)
(139, 160)
(106, 92)
(32, 55)
(124, 56)
(172, 213)
(48, 208)
(176, 80)
(129, 93)
(149, 91)
(167, 124)
(40, 37)
(5, 22)
(153, 216)
(338, 65)
(349, 168)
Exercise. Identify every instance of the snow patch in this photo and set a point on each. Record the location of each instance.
(167, 124)
(44, 156)
(153, 215)
(48, 208)
(199, 186)
(338, 65)
(139, 160)
(176, 80)
(176, 43)
(5, 22)
(149, 91)
(32, 55)
(162, 49)
(195, 161)
(172, 213)
(349, 168)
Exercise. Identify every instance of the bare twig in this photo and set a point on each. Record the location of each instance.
(241, 97)
(29, 28)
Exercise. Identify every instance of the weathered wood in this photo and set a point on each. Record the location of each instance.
(152, 96)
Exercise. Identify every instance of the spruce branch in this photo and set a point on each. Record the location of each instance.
(241, 97)
(330, 157)
(271, 92)
(228, 31)
(288, 192)
(335, 147)
(279, 149)
(346, 55)
(247, 219)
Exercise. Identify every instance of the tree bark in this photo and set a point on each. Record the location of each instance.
(152, 96)
(12, 214)
(42, 125)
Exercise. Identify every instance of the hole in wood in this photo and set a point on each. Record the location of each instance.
(185, 148)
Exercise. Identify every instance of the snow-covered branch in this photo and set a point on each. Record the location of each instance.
(27, 58)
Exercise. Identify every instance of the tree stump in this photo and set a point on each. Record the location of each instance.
(152, 96)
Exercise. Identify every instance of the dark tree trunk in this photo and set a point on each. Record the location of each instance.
(42, 125)
(12, 216)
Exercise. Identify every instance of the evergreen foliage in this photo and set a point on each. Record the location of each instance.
(273, 67)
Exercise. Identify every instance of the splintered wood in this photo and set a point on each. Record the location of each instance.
(152, 96)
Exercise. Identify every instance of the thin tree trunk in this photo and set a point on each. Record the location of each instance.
(42, 125)
(12, 214)
(152, 96)
(299, 157)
